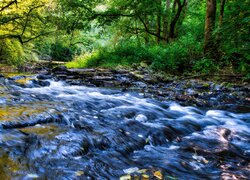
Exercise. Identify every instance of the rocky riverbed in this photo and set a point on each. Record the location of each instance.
(111, 124)
(228, 95)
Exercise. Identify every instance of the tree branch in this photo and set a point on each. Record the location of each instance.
(148, 31)
(8, 5)
(9, 20)
(37, 36)
(176, 17)
(27, 18)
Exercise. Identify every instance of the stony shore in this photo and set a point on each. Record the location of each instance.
(190, 91)
(226, 93)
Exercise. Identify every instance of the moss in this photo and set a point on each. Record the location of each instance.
(49, 130)
(13, 74)
(206, 85)
(9, 113)
(7, 166)
(24, 80)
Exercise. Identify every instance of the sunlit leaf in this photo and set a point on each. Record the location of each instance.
(126, 177)
(158, 175)
(79, 173)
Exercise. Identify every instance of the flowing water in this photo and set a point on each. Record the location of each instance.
(75, 132)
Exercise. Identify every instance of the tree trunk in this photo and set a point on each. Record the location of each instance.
(146, 33)
(222, 8)
(219, 34)
(209, 44)
(166, 18)
(176, 17)
(158, 22)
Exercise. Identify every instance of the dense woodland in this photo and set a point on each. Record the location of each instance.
(175, 36)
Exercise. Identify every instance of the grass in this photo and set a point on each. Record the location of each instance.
(174, 57)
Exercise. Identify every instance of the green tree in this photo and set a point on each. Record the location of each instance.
(20, 23)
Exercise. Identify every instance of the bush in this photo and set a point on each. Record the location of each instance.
(122, 55)
(57, 50)
(12, 52)
(205, 66)
(235, 36)
(61, 52)
(175, 57)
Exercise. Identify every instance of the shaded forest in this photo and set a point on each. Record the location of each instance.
(175, 36)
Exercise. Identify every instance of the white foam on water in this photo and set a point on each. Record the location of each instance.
(154, 125)
(173, 147)
(216, 113)
(144, 106)
(184, 110)
(2, 101)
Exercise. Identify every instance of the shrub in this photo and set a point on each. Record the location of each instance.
(175, 57)
(205, 66)
(12, 52)
(60, 52)
(121, 55)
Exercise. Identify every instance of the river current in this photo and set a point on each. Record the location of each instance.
(58, 131)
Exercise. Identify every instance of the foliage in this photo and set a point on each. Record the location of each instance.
(174, 57)
(205, 66)
(166, 35)
(178, 56)
(235, 33)
(12, 52)
(20, 23)
(24, 20)
(61, 52)
(122, 55)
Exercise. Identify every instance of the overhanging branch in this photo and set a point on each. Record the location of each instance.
(27, 17)
(148, 31)
(8, 5)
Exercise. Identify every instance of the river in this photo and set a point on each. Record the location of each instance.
(61, 131)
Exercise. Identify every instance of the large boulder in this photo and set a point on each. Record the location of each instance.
(60, 69)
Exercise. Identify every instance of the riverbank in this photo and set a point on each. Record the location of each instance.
(225, 92)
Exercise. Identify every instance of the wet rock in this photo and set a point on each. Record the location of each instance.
(182, 97)
(102, 78)
(217, 87)
(44, 76)
(191, 92)
(61, 76)
(143, 64)
(111, 84)
(82, 71)
(101, 132)
(141, 118)
(74, 82)
(188, 92)
(60, 69)
(38, 83)
(140, 85)
(15, 78)
(202, 86)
